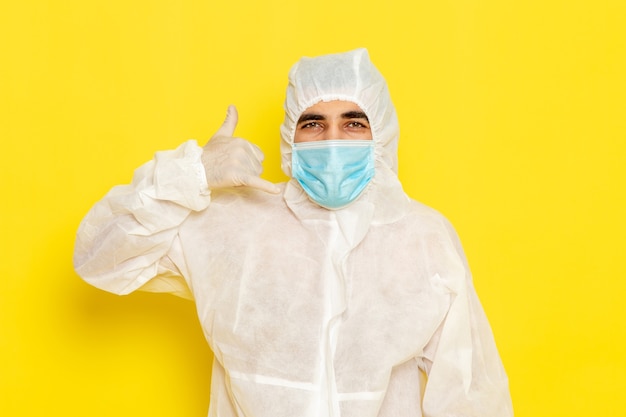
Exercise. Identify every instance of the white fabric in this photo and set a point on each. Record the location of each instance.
(360, 312)
(233, 162)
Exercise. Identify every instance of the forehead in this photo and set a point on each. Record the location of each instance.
(333, 108)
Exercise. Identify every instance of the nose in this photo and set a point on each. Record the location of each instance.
(332, 132)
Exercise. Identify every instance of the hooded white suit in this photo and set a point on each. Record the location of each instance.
(360, 312)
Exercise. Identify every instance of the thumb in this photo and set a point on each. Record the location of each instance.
(230, 123)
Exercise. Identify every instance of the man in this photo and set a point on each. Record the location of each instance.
(333, 294)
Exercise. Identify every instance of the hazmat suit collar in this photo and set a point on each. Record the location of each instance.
(383, 201)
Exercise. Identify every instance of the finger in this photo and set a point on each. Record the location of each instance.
(256, 152)
(263, 185)
(230, 123)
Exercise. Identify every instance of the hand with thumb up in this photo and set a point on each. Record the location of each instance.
(234, 162)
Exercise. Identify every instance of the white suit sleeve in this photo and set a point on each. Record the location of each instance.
(465, 376)
(127, 238)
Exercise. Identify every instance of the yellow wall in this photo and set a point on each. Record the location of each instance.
(512, 118)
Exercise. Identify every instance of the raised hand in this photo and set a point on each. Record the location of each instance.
(234, 162)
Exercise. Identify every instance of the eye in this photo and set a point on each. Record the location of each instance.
(310, 125)
(357, 125)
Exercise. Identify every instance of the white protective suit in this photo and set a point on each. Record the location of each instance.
(363, 311)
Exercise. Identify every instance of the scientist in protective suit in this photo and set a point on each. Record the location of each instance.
(333, 294)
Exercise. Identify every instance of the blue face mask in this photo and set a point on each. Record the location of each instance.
(333, 172)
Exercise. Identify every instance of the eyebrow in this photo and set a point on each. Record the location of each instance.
(347, 115)
(354, 115)
(310, 116)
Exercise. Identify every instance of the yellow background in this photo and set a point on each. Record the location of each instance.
(512, 118)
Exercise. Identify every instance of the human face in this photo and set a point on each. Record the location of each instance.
(330, 120)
